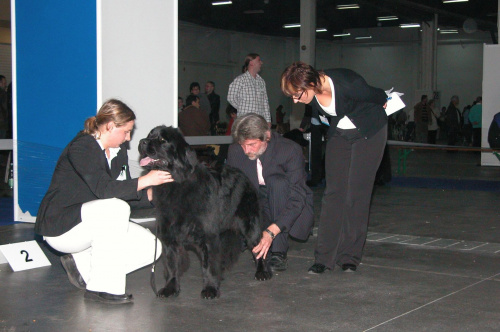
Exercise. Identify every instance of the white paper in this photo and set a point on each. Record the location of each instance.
(394, 103)
(24, 255)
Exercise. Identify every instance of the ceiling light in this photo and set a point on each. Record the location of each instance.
(448, 31)
(387, 18)
(291, 25)
(364, 37)
(409, 25)
(220, 3)
(451, 1)
(351, 6)
(321, 30)
(342, 35)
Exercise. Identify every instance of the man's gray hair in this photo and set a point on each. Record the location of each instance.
(249, 126)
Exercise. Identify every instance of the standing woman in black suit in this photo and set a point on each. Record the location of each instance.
(85, 212)
(357, 136)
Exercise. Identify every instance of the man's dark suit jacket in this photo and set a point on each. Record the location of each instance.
(362, 103)
(284, 158)
(82, 174)
(214, 100)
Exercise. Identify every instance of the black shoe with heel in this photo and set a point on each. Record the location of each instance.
(69, 265)
(107, 298)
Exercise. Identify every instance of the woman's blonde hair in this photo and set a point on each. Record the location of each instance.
(112, 110)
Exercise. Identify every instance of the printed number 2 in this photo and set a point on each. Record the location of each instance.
(28, 259)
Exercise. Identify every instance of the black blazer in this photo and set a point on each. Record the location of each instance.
(82, 174)
(354, 98)
(283, 158)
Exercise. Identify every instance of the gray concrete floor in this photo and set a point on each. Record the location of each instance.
(431, 263)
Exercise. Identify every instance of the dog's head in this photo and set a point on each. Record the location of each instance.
(166, 149)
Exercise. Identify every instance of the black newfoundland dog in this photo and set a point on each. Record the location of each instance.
(204, 210)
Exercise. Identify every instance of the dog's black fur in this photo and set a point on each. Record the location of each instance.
(203, 210)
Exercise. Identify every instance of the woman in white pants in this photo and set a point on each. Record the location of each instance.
(85, 212)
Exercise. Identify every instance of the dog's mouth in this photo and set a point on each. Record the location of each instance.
(151, 163)
(147, 161)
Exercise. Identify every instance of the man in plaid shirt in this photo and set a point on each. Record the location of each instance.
(247, 93)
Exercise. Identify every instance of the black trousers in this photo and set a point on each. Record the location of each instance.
(272, 202)
(351, 165)
(317, 161)
(476, 137)
(431, 137)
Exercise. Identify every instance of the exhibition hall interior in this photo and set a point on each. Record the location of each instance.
(431, 257)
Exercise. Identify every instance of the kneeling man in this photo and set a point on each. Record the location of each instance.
(275, 166)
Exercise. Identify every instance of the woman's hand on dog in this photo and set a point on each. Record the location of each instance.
(154, 178)
(265, 242)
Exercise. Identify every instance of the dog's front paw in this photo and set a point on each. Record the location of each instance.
(264, 271)
(263, 275)
(210, 293)
(168, 291)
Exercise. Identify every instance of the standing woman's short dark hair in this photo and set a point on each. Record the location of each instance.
(248, 58)
(194, 85)
(112, 110)
(249, 126)
(300, 76)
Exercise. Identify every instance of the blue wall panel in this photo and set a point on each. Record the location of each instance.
(56, 86)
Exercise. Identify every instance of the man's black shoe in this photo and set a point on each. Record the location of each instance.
(69, 265)
(278, 261)
(108, 298)
(317, 268)
(311, 183)
(349, 267)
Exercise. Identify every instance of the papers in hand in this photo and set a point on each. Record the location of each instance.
(394, 102)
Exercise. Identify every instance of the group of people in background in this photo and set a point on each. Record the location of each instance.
(200, 114)
(247, 94)
(424, 121)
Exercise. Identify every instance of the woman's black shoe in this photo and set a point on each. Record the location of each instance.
(68, 262)
(349, 267)
(108, 298)
(317, 268)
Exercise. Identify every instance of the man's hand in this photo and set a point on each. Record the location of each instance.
(265, 243)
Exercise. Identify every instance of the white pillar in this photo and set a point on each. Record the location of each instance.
(307, 49)
(308, 31)
(427, 68)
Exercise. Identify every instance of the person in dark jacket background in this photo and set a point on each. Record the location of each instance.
(453, 121)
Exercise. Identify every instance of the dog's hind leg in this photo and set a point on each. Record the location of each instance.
(172, 259)
(210, 253)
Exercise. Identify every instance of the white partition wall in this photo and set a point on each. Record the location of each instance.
(491, 98)
(68, 57)
(138, 60)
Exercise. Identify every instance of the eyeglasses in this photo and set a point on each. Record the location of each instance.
(299, 96)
